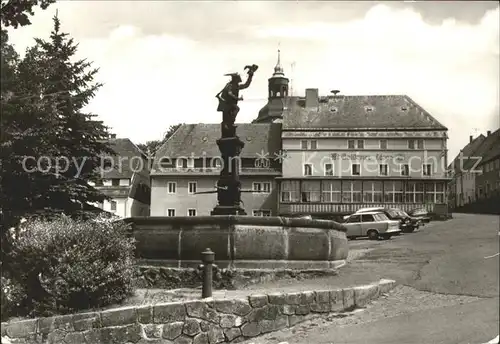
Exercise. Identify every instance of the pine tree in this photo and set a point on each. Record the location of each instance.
(43, 118)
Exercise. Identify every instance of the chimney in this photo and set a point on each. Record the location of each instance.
(312, 98)
(488, 132)
(112, 136)
(470, 139)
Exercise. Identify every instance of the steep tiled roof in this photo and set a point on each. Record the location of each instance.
(364, 112)
(468, 152)
(126, 160)
(199, 140)
(490, 148)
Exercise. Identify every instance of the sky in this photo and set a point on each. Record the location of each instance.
(163, 62)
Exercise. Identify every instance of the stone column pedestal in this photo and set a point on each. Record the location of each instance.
(229, 186)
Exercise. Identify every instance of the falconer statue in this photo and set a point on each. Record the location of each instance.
(230, 95)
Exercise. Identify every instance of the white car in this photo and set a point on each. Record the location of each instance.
(363, 210)
(373, 224)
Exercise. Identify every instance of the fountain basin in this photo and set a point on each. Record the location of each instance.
(240, 242)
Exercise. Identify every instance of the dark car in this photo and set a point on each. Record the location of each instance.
(410, 222)
(420, 213)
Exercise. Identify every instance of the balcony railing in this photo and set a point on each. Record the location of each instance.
(344, 208)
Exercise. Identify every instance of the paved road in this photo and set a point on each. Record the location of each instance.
(448, 293)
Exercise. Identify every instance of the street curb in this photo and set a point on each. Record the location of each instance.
(210, 320)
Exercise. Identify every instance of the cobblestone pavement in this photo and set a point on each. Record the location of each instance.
(400, 301)
(448, 289)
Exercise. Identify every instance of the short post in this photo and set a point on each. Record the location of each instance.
(207, 257)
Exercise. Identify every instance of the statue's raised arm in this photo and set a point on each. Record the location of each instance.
(229, 96)
(251, 70)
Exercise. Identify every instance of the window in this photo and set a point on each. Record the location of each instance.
(290, 191)
(382, 170)
(411, 144)
(420, 144)
(172, 187)
(217, 163)
(182, 163)
(393, 192)
(430, 193)
(355, 169)
(308, 170)
(264, 187)
(426, 169)
(367, 218)
(261, 212)
(352, 144)
(328, 169)
(125, 182)
(497, 163)
(331, 191)
(115, 182)
(354, 219)
(170, 212)
(192, 186)
(372, 192)
(440, 192)
(113, 205)
(351, 191)
(405, 169)
(312, 144)
(191, 212)
(310, 191)
(383, 144)
(414, 192)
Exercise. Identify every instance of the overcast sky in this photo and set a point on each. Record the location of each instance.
(163, 62)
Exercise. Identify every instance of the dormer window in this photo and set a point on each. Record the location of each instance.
(333, 109)
(404, 108)
(368, 108)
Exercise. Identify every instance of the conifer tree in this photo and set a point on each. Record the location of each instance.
(44, 124)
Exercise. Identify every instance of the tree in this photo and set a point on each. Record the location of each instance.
(150, 147)
(43, 120)
(16, 13)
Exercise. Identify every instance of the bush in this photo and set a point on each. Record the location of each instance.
(65, 265)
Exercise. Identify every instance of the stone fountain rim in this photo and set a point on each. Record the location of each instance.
(238, 220)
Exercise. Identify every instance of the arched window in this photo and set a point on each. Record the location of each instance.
(278, 94)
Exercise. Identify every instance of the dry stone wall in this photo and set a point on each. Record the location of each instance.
(207, 321)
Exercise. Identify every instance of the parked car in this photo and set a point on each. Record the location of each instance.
(421, 213)
(414, 221)
(405, 223)
(373, 224)
(363, 210)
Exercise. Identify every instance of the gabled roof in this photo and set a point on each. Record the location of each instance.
(468, 153)
(360, 112)
(126, 161)
(490, 149)
(199, 140)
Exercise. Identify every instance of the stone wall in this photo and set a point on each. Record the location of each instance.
(229, 279)
(207, 321)
(240, 241)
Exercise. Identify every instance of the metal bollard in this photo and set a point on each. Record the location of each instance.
(207, 257)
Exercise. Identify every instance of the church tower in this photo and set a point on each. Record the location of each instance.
(277, 96)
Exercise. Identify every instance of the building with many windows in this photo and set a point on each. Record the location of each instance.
(463, 183)
(189, 163)
(476, 181)
(350, 152)
(125, 181)
(313, 155)
(488, 180)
